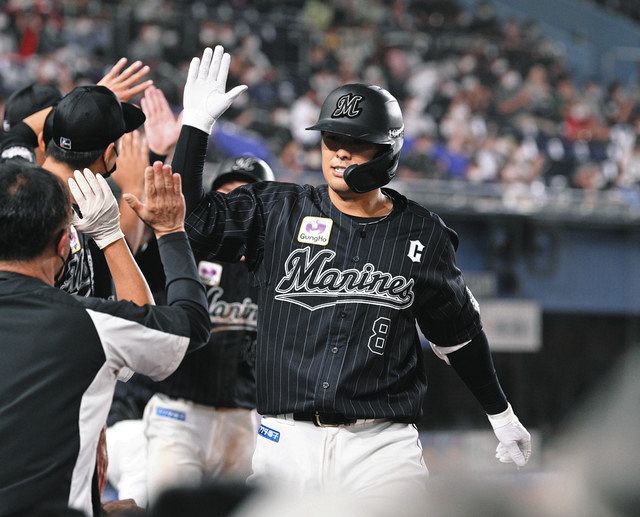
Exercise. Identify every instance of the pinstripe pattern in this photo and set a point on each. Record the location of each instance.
(313, 339)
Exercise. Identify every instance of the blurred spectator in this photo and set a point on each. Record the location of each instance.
(481, 80)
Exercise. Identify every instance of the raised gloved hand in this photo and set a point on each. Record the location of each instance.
(205, 97)
(100, 215)
(515, 440)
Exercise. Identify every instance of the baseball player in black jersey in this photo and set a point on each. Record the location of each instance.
(202, 422)
(342, 273)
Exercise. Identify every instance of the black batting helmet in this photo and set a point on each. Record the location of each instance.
(242, 168)
(369, 113)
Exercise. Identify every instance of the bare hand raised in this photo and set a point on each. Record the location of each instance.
(161, 128)
(126, 83)
(164, 206)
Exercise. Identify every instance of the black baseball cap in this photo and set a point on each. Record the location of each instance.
(27, 101)
(242, 168)
(48, 127)
(89, 118)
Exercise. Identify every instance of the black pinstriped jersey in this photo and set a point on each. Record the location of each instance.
(339, 297)
(222, 373)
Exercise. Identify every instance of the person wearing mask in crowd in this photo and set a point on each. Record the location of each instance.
(62, 354)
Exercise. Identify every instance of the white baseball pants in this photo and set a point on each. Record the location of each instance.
(375, 459)
(188, 443)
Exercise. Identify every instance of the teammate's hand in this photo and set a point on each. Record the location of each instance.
(126, 83)
(205, 97)
(515, 440)
(133, 157)
(164, 206)
(100, 216)
(161, 126)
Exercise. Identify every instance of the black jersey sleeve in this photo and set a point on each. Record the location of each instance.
(230, 226)
(451, 317)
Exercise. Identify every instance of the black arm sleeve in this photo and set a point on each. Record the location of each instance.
(474, 366)
(183, 286)
(188, 161)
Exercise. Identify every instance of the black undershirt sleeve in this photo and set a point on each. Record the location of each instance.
(474, 365)
(183, 286)
(188, 161)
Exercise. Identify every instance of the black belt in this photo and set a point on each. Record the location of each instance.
(324, 419)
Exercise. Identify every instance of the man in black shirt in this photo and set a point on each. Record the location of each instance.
(62, 354)
(343, 273)
(202, 422)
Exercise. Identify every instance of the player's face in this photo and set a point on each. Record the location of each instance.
(232, 185)
(338, 152)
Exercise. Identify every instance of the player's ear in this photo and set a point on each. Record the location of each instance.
(110, 151)
(63, 243)
(41, 143)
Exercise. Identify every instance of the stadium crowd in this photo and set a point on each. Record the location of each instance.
(485, 100)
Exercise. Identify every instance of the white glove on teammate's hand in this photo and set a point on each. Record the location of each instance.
(205, 98)
(515, 440)
(100, 215)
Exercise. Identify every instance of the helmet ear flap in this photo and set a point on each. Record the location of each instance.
(373, 174)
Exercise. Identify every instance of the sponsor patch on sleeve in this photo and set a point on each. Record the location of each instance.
(268, 433)
(315, 230)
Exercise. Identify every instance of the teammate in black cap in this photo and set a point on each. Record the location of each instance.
(85, 125)
(343, 272)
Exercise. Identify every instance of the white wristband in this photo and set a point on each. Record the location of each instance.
(504, 418)
(198, 119)
(109, 239)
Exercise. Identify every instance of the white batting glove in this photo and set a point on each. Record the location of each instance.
(205, 97)
(100, 215)
(515, 440)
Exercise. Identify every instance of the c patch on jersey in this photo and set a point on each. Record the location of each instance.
(315, 230)
(210, 273)
(268, 433)
(415, 251)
